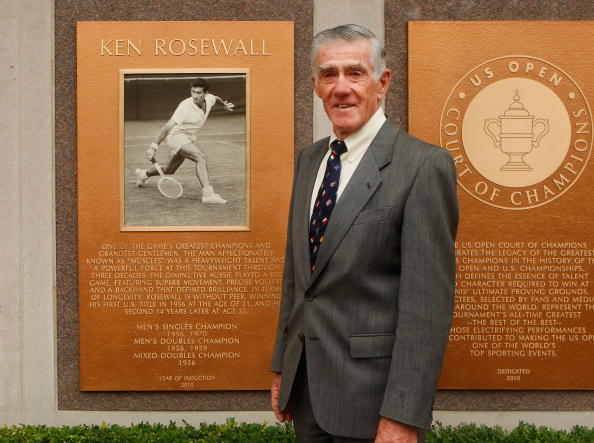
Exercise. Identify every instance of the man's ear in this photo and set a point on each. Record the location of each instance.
(384, 80)
(315, 85)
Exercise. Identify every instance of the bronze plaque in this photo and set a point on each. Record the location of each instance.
(179, 290)
(511, 101)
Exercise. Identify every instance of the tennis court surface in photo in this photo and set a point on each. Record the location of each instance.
(223, 140)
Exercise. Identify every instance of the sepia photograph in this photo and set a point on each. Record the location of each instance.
(185, 153)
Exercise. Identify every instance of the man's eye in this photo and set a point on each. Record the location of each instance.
(356, 74)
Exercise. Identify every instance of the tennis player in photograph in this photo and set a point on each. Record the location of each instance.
(181, 132)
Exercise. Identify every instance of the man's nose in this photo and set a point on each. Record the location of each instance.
(342, 85)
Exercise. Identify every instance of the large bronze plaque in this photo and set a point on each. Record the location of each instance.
(175, 293)
(511, 101)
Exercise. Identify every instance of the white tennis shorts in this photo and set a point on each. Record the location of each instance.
(176, 141)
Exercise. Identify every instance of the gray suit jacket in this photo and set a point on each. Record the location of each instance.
(374, 316)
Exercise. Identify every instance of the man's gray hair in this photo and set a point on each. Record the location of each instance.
(347, 34)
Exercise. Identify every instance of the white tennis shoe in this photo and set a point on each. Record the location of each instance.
(141, 177)
(212, 198)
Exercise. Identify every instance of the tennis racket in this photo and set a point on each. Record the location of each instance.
(168, 186)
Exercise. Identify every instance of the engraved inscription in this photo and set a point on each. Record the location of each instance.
(522, 300)
(188, 300)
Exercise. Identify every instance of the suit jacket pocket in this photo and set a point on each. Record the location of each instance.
(373, 215)
(371, 345)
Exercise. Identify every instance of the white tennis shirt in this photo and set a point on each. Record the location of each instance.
(189, 118)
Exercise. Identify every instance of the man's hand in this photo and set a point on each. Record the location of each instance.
(390, 431)
(151, 151)
(228, 106)
(274, 397)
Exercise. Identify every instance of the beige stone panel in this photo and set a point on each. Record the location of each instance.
(9, 8)
(26, 258)
(10, 233)
(37, 208)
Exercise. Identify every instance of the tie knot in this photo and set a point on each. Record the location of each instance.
(338, 147)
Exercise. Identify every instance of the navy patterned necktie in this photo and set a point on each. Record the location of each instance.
(325, 201)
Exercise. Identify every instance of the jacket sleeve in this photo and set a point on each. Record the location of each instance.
(288, 286)
(426, 293)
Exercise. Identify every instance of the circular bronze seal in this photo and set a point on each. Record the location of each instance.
(519, 130)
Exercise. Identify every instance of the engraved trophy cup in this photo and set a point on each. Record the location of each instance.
(516, 136)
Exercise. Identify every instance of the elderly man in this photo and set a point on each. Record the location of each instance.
(368, 286)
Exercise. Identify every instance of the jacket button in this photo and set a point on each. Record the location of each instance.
(310, 296)
(300, 336)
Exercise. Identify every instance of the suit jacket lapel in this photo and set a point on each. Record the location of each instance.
(310, 163)
(357, 193)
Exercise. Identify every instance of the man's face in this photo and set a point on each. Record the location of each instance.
(197, 95)
(345, 83)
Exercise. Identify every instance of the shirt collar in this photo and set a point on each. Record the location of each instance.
(358, 142)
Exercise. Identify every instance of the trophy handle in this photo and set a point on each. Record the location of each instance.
(495, 137)
(545, 130)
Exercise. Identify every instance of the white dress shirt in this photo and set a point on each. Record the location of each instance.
(356, 144)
